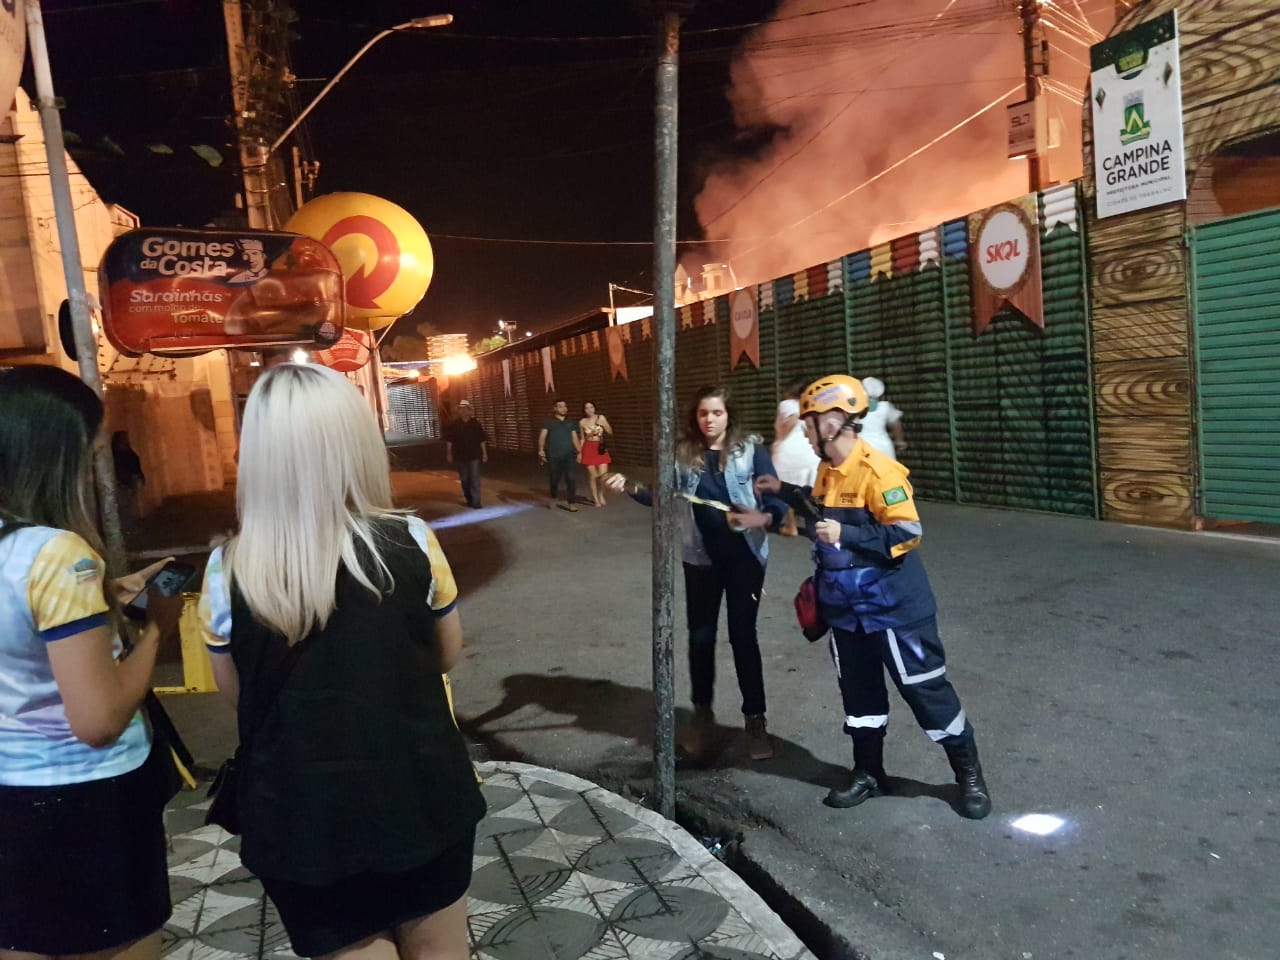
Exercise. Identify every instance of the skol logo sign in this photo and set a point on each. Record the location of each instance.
(744, 327)
(1005, 253)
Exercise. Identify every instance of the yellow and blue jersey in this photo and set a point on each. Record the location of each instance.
(215, 597)
(873, 577)
(50, 589)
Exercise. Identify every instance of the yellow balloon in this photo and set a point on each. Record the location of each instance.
(385, 254)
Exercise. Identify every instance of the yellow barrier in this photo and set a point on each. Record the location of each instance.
(197, 670)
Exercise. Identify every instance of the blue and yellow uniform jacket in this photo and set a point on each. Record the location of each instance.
(873, 578)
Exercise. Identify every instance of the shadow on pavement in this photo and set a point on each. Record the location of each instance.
(595, 705)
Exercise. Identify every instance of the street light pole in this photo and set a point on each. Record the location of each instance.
(418, 23)
(438, 19)
(256, 180)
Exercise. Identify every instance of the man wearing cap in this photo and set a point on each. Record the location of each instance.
(256, 256)
(873, 592)
(466, 446)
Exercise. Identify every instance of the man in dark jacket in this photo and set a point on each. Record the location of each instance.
(466, 447)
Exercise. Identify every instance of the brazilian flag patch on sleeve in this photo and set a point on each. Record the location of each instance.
(896, 495)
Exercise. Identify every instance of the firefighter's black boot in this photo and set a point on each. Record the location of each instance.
(868, 779)
(975, 800)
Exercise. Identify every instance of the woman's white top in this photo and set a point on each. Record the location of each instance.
(875, 426)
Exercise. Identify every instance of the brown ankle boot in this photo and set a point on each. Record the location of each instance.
(759, 745)
(701, 733)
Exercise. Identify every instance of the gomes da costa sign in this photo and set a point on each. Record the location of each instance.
(179, 292)
(1005, 253)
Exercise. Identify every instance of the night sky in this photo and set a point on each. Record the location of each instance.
(497, 127)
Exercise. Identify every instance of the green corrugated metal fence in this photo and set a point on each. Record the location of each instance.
(1237, 307)
(1001, 418)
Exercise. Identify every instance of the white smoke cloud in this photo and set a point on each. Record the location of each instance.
(855, 90)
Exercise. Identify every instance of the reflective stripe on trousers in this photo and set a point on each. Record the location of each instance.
(915, 658)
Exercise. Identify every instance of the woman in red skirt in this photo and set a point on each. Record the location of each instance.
(594, 428)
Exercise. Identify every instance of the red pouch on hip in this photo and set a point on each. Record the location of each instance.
(807, 613)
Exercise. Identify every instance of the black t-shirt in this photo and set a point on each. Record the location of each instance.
(466, 437)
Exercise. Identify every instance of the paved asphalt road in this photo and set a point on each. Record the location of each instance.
(1121, 679)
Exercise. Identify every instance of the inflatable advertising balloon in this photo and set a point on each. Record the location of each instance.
(385, 254)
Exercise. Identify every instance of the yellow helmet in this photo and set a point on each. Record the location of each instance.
(836, 392)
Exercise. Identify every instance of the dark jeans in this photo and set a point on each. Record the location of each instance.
(565, 467)
(469, 477)
(740, 577)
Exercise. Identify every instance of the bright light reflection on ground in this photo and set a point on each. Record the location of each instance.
(476, 516)
(1041, 824)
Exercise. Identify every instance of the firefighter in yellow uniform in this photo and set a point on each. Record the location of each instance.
(873, 592)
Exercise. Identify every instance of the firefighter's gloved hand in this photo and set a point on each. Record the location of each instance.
(828, 531)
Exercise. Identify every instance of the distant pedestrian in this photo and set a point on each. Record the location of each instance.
(559, 443)
(882, 426)
(331, 616)
(873, 592)
(594, 428)
(466, 447)
(129, 476)
(793, 455)
(725, 550)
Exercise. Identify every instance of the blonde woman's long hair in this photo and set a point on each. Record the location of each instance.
(313, 477)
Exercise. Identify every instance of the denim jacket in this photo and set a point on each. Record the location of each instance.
(739, 477)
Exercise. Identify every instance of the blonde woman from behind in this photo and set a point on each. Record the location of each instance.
(330, 616)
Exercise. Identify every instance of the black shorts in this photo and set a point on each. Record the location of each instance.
(83, 866)
(323, 919)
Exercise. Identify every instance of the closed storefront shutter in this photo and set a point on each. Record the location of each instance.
(1237, 306)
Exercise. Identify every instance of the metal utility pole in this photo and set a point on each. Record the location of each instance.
(1035, 58)
(664, 323)
(72, 269)
(253, 156)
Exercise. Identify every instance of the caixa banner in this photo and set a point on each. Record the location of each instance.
(177, 292)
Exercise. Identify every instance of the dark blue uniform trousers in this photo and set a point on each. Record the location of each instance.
(914, 657)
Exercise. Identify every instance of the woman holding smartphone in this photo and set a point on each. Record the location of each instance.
(82, 846)
(725, 550)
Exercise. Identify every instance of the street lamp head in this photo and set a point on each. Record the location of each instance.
(426, 23)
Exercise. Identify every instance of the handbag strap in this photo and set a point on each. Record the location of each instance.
(271, 692)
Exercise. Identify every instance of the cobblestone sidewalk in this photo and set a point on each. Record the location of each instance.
(564, 870)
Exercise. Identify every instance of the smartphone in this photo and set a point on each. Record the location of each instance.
(167, 581)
